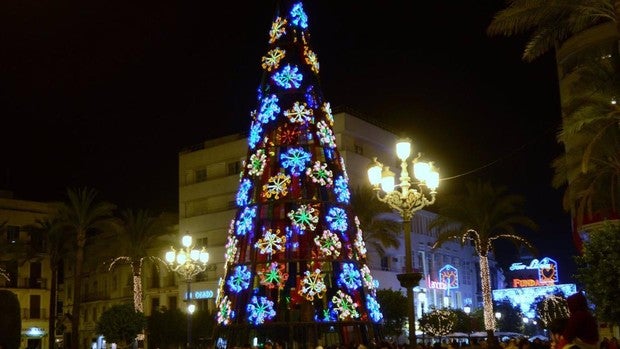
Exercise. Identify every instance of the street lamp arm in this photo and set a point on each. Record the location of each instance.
(188, 270)
(406, 205)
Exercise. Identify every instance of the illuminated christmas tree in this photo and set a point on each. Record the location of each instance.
(295, 259)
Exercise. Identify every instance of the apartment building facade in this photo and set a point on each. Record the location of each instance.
(30, 279)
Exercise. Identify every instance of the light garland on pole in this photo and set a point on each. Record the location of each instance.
(408, 197)
(188, 262)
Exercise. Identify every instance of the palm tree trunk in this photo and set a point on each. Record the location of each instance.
(487, 301)
(77, 296)
(52, 314)
(136, 269)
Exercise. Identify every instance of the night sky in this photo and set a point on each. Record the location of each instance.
(106, 93)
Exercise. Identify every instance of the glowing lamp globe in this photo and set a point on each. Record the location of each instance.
(374, 175)
(432, 181)
(170, 256)
(421, 170)
(194, 255)
(204, 257)
(186, 240)
(181, 258)
(387, 180)
(403, 149)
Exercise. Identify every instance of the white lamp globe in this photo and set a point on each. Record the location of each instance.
(403, 149)
(186, 240)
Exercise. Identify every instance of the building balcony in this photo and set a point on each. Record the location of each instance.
(34, 314)
(96, 296)
(37, 283)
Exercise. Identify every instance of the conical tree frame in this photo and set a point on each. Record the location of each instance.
(296, 267)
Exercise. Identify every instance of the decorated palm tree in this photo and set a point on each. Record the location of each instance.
(480, 216)
(590, 130)
(295, 259)
(589, 166)
(140, 231)
(551, 23)
(80, 216)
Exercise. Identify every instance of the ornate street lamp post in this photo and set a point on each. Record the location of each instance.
(188, 262)
(408, 197)
(467, 310)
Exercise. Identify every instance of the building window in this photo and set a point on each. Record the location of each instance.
(35, 307)
(358, 149)
(201, 175)
(385, 264)
(202, 242)
(154, 305)
(59, 309)
(234, 168)
(172, 302)
(12, 234)
(420, 261)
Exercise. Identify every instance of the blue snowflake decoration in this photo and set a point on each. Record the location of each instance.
(311, 97)
(298, 16)
(288, 77)
(245, 222)
(269, 108)
(260, 309)
(350, 277)
(329, 153)
(240, 279)
(326, 315)
(242, 198)
(337, 219)
(295, 159)
(373, 309)
(341, 188)
(255, 133)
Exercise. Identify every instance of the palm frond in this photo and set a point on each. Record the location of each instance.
(548, 22)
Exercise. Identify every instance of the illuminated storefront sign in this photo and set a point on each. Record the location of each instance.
(450, 275)
(34, 332)
(538, 273)
(448, 279)
(201, 294)
(438, 285)
(528, 283)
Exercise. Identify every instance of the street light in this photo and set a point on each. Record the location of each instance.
(498, 316)
(467, 310)
(188, 262)
(408, 197)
